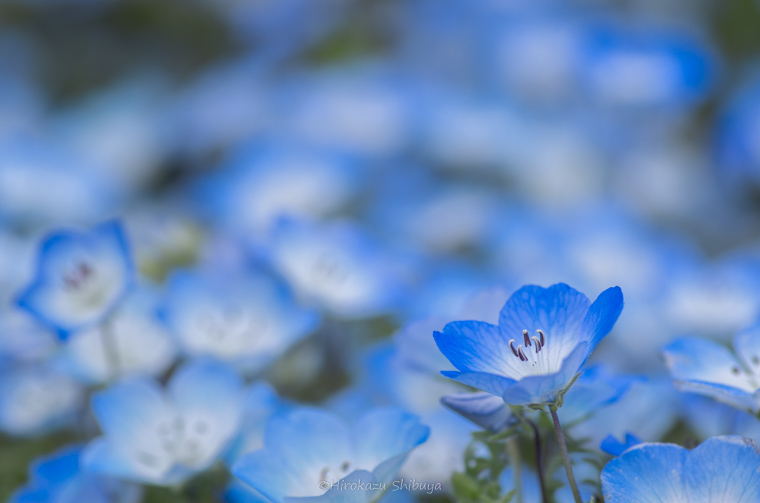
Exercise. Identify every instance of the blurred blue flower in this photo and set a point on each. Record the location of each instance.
(161, 437)
(37, 399)
(720, 469)
(708, 368)
(132, 327)
(544, 337)
(263, 181)
(338, 266)
(308, 450)
(80, 277)
(244, 318)
(59, 478)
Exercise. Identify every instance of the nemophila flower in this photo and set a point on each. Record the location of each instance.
(37, 399)
(719, 469)
(80, 278)
(163, 437)
(534, 354)
(708, 368)
(59, 478)
(118, 348)
(385, 379)
(308, 450)
(248, 319)
(338, 266)
(264, 181)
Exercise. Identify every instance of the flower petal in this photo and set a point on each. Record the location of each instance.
(558, 310)
(747, 346)
(484, 409)
(487, 382)
(726, 394)
(647, 473)
(543, 388)
(476, 346)
(602, 315)
(723, 469)
(693, 359)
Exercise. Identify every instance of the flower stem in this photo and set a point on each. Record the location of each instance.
(565, 457)
(110, 346)
(539, 464)
(513, 449)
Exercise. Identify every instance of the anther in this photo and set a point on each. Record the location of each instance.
(512, 347)
(735, 370)
(526, 338)
(542, 337)
(756, 360)
(521, 354)
(538, 343)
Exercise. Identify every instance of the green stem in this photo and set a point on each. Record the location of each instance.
(111, 349)
(513, 449)
(539, 463)
(565, 456)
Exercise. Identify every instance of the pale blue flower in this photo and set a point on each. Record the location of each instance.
(246, 319)
(164, 437)
(708, 368)
(308, 450)
(81, 277)
(720, 469)
(543, 338)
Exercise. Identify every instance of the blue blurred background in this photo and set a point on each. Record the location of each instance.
(369, 169)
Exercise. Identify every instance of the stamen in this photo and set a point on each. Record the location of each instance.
(512, 347)
(521, 354)
(735, 370)
(538, 343)
(526, 338)
(541, 336)
(756, 360)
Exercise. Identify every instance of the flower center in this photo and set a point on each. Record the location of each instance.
(78, 276)
(534, 363)
(333, 474)
(183, 443)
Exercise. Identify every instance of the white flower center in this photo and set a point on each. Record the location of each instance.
(530, 352)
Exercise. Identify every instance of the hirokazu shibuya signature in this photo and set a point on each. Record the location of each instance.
(396, 485)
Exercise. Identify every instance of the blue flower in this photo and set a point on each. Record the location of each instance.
(80, 278)
(133, 326)
(708, 368)
(720, 469)
(307, 451)
(37, 399)
(248, 320)
(534, 354)
(338, 266)
(162, 437)
(58, 478)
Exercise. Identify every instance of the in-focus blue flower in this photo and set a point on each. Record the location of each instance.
(543, 338)
(308, 450)
(708, 368)
(59, 478)
(162, 437)
(80, 278)
(720, 469)
(248, 319)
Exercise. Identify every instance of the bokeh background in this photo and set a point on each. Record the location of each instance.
(385, 162)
